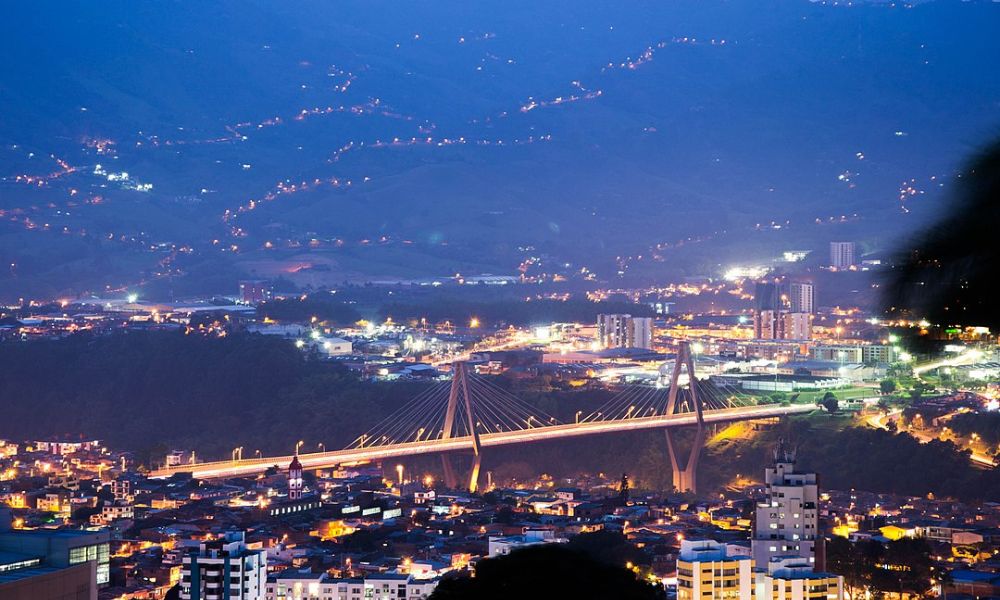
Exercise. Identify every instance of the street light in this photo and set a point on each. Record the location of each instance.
(399, 473)
(297, 446)
(578, 413)
(321, 446)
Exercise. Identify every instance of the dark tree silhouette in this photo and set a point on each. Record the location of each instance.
(951, 273)
(544, 572)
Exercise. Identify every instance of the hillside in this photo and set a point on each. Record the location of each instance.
(377, 139)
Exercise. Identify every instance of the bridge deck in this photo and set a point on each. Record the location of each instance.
(223, 469)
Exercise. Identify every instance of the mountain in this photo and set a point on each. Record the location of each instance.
(184, 144)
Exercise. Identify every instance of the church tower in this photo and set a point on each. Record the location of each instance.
(295, 479)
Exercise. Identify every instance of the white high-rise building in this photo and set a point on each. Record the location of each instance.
(709, 570)
(624, 331)
(801, 297)
(841, 255)
(787, 519)
(224, 569)
(793, 578)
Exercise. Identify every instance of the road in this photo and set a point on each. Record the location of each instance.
(317, 460)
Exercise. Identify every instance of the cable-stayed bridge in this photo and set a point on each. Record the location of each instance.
(471, 414)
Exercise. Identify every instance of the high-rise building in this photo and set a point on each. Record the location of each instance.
(801, 297)
(708, 570)
(295, 479)
(777, 316)
(766, 296)
(224, 569)
(796, 326)
(787, 519)
(624, 331)
(255, 291)
(767, 325)
(841, 255)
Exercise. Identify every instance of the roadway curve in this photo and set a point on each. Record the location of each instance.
(318, 460)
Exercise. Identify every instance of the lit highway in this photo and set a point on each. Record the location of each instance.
(317, 460)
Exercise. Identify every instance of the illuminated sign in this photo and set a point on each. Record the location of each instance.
(371, 511)
(349, 509)
(391, 513)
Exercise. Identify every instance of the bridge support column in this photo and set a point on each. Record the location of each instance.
(685, 476)
(460, 387)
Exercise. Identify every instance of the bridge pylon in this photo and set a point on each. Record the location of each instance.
(460, 387)
(686, 476)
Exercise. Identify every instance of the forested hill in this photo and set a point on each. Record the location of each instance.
(149, 392)
(369, 138)
(140, 390)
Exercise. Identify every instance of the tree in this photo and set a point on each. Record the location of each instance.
(830, 402)
(547, 571)
(887, 386)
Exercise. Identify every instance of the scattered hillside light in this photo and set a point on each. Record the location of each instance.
(314, 335)
(893, 338)
(905, 357)
(132, 298)
(474, 322)
(299, 343)
(697, 347)
(924, 323)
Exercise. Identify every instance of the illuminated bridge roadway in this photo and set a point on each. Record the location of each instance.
(471, 414)
(222, 469)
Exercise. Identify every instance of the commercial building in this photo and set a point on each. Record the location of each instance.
(847, 354)
(838, 354)
(842, 255)
(708, 570)
(52, 563)
(624, 331)
(787, 519)
(24, 578)
(224, 569)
